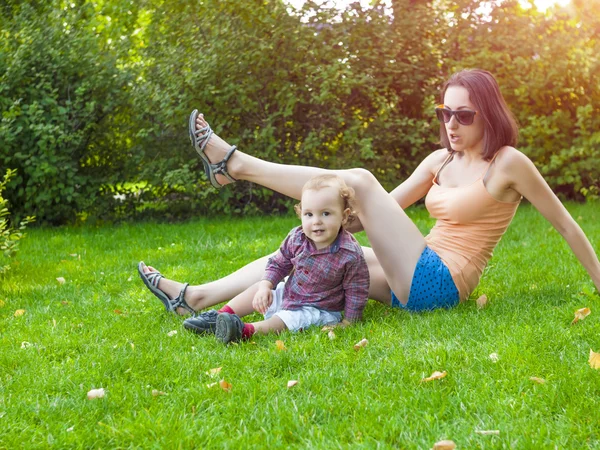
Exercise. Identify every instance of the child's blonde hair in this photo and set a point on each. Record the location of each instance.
(329, 180)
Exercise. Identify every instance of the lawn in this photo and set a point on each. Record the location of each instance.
(102, 328)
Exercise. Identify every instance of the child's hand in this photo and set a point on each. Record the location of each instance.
(263, 298)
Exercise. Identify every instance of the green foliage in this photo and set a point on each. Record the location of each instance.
(95, 95)
(9, 236)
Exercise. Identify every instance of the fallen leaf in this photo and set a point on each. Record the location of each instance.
(594, 360)
(435, 376)
(64, 302)
(19, 312)
(494, 357)
(487, 432)
(130, 279)
(537, 380)
(225, 385)
(214, 372)
(132, 345)
(2, 303)
(95, 393)
(74, 255)
(70, 429)
(172, 333)
(61, 280)
(118, 311)
(444, 445)
(280, 345)
(156, 393)
(581, 314)
(331, 335)
(292, 383)
(327, 328)
(211, 385)
(482, 302)
(362, 343)
(26, 344)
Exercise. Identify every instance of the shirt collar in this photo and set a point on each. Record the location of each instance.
(343, 240)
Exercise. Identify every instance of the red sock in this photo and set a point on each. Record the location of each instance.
(248, 331)
(226, 309)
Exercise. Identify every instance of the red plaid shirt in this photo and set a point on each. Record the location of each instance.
(335, 278)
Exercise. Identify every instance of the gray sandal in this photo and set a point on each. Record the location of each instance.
(151, 281)
(199, 138)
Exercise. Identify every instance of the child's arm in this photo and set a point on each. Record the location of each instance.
(280, 264)
(356, 289)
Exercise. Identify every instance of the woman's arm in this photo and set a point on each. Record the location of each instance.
(527, 181)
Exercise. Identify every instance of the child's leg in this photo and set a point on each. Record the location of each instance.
(274, 324)
(241, 304)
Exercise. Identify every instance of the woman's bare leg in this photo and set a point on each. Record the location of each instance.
(395, 239)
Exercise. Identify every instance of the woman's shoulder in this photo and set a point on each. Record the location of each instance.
(509, 159)
(435, 159)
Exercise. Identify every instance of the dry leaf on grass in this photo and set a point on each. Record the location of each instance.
(211, 385)
(594, 359)
(19, 312)
(214, 372)
(488, 432)
(95, 393)
(581, 314)
(280, 345)
(118, 311)
(327, 328)
(331, 335)
(537, 380)
(482, 302)
(435, 376)
(292, 383)
(444, 445)
(494, 357)
(156, 393)
(26, 344)
(61, 280)
(361, 344)
(64, 302)
(225, 385)
(2, 303)
(172, 333)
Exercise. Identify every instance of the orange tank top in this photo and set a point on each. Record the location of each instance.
(470, 223)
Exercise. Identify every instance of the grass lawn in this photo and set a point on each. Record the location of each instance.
(103, 328)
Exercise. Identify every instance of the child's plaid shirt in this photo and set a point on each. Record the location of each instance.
(335, 278)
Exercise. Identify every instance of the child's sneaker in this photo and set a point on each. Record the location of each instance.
(229, 328)
(204, 323)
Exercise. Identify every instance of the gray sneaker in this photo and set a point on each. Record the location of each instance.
(203, 323)
(229, 328)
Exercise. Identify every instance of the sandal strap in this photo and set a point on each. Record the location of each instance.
(220, 168)
(179, 301)
(154, 278)
(203, 135)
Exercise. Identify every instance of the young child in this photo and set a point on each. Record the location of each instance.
(326, 268)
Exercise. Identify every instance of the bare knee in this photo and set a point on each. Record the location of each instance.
(362, 179)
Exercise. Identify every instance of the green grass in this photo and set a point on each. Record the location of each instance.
(372, 398)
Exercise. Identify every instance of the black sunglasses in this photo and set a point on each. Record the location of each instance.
(463, 116)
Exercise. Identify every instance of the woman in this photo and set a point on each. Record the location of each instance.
(473, 187)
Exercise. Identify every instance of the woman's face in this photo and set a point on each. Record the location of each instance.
(463, 137)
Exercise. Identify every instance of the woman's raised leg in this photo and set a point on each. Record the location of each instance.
(396, 241)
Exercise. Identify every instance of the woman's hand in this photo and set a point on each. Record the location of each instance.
(263, 297)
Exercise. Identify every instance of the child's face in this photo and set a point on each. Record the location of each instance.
(323, 215)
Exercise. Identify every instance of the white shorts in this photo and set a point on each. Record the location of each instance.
(299, 319)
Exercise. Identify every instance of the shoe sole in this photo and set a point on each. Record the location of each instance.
(225, 331)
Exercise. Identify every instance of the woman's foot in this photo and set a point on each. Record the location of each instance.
(216, 149)
(172, 289)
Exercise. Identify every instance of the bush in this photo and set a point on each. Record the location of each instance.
(9, 237)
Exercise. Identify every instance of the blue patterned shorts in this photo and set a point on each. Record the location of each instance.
(432, 285)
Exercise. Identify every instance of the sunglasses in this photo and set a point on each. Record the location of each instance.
(463, 116)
